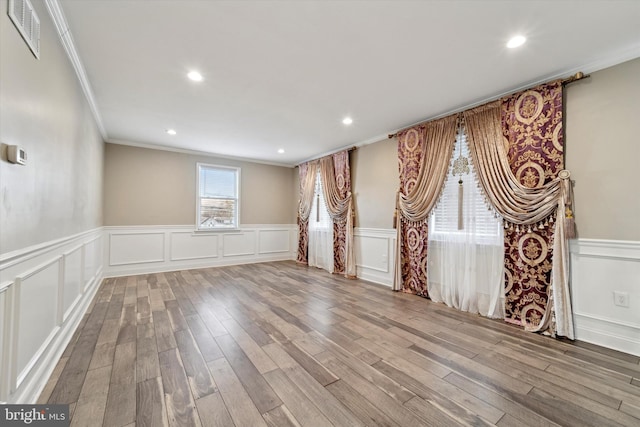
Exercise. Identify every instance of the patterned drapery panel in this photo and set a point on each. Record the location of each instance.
(303, 241)
(423, 156)
(307, 173)
(532, 128)
(343, 183)
(411, 147)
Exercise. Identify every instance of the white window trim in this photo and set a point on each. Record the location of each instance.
(199, 165)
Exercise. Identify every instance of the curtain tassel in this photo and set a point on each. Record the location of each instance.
(460, 194)
(395, 211)
(569, 224)
(567, 196)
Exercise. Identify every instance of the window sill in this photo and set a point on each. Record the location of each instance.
(204, 231)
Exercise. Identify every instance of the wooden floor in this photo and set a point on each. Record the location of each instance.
(279, 344)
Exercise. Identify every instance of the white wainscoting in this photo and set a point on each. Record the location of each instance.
(375, 252)
(151, 249)
(44, 292)
(598, 268)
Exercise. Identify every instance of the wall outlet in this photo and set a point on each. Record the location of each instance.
(621, 299)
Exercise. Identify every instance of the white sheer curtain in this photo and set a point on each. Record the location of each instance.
(320, 232)
(465, 266)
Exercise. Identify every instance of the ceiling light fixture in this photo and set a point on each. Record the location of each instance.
(516, 41)
(171, 132)
(347, 121)
(195, 76)
(280, 150)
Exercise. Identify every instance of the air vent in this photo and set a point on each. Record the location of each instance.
(27, 22)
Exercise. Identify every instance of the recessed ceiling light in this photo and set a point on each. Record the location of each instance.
(516, 41)
(195, 76)
(171, 132)
(280, 150)
(347, 121)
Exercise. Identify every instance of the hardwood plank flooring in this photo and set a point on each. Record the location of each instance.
(279, 344)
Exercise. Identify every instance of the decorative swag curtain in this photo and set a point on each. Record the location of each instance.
(335, 175)
(423, 157)
(307, 173)
(516, 145)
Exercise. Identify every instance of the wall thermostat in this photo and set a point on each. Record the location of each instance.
(16, 155)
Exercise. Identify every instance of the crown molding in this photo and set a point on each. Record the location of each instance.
(151, 146)
(62, 28)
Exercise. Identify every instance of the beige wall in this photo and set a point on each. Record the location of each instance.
(156, 187)
(43, 109)
(603, 152)
(374, 172)
(296, 192)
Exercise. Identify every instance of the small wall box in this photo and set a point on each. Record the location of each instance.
(16, 155)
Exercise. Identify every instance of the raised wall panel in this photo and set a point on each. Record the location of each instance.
(136, 248)
(273, 241)
(92, 259)
(374, 252)
(187, 245)
(4, 343)
(181, 247)
(36, 312)
(598, 268)
(42, 300)
(239, 244)
(72, 278)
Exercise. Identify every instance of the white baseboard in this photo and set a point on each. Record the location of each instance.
(44, 292)
(608, 333)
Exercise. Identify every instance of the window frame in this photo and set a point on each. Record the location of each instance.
(236, 219)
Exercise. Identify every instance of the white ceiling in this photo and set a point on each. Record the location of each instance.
(283, 74)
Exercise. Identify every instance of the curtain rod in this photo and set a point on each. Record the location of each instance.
(354, 148)
(574, 78)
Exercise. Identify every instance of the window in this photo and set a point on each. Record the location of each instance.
(218, 197)
(320, 231)
(444, 219)
(465, 266)
(319, 218)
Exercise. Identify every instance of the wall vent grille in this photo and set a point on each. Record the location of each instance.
(27, 22)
